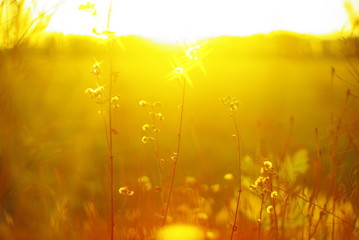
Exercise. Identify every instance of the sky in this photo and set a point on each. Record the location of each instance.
(167, 20)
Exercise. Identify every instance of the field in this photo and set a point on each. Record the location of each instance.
(287, 113)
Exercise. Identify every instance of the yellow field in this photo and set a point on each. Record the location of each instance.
(296, 115)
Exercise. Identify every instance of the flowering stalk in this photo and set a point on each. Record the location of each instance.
(176, 155)
(181, 69)
(110, 133)
(235, 228)
(260, 217)
(233, 104)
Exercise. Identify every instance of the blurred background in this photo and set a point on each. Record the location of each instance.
(298, 94)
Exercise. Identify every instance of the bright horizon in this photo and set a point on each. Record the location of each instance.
(170, 20)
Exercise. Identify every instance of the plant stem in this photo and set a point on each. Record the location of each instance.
(177, 153)
(235, 228)
(110, 141)
(324, 209)
(260, 217)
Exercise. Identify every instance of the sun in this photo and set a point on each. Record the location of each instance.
(169, 20)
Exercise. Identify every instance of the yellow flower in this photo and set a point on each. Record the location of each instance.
(95, 93)
(145, 183)
(145, 127)
(274, 194)
(143, 103)
(178, 70)
(270, 209)
(192, 52)
(231, 102)
(228, 177)
(159, 116)
(125, 191)
(147, 139)
(268, 165)
(115, 101)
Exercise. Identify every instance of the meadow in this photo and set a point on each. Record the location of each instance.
(295, 133)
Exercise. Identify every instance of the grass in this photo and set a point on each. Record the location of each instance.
(292, 173)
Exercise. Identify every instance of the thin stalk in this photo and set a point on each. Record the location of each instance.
(274, 209)
(311, 234)
(177, 153)
(110, 134)
(324, 209)
(260, 218)
(235, 228)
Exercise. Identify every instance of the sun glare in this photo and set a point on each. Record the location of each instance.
(167, 20)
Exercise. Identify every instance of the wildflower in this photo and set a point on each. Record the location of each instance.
(259, 181)
(253, 187)
(192, 52)
(268, 165)
(228, 177)
(274, 194)
(231, 102)
(96, 69)
(95, 93)
(174, 157)
(143, 103)
(125, 191)
(145, 183)
(115, 101)
(145, 127)
(179, 70)
(159, 116)
(270, 209)
(162, 162)
(147, 139)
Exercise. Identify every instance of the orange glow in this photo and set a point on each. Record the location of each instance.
(109, 131)
(168, 20)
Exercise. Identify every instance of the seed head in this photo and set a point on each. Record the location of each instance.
(274, 194)
(115, 101)
(179, 70)
(268, 165)
(95, 93)
(125, 191)
(270, 209)
(145, 127)
(146, 139)
(192, 52)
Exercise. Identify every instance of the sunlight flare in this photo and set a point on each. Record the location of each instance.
(169, 20)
